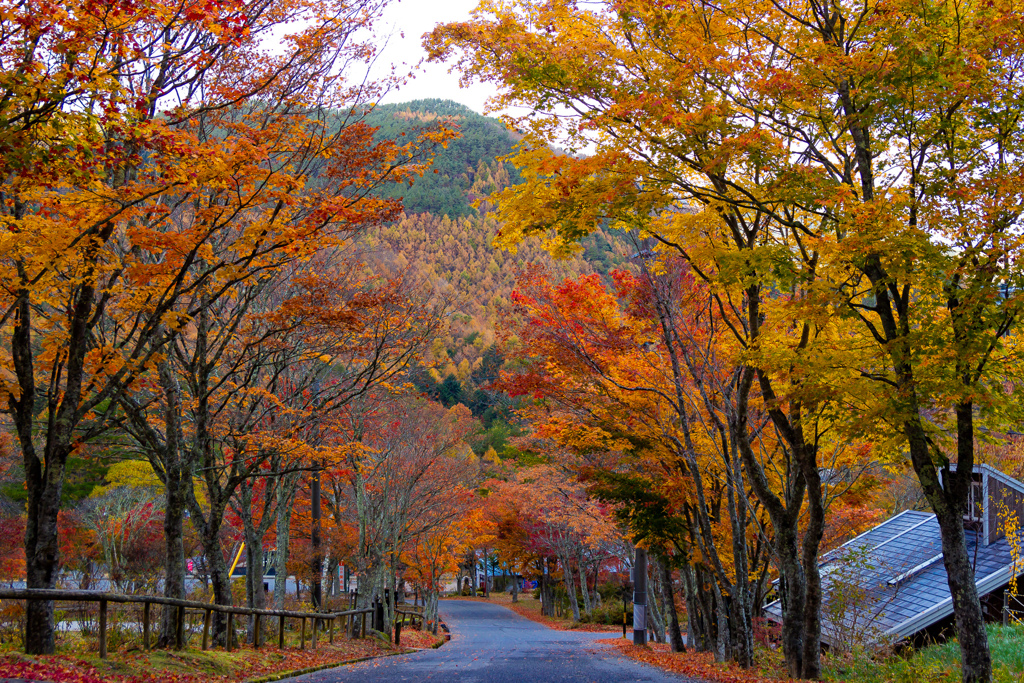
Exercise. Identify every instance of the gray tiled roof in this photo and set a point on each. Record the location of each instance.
(896, 575)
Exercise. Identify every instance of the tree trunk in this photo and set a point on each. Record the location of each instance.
(219, 576)
(784, 516)
(286, 490)
(174, 555)
(675, 637)
(741, 625)
(255, 597)
(692, 606)
(41, 553)
(44, 477)
(570, 589)
(948, 499)
(655, 620)
(812, 587)
(177, 474)
(792, 591)
(44, 484)
(585, 589)
(430, 611)
(723, 642)
(547, 598)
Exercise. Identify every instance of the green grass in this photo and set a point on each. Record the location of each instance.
(933, 664)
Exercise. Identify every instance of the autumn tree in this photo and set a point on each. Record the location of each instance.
(126, 523)
(564, 523)
(400, 462)
(848, 167)
(456, 526)
(637, 383)
(242, 396)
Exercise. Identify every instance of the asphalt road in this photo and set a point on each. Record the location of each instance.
(491, 644)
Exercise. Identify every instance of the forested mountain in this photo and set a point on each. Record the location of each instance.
(445, 235)
(447, 189)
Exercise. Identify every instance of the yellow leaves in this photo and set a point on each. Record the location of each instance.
(1011, 526)
(564, 198)
(174, 320)
(131, 473)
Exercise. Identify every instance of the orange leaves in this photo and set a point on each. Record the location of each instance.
(556, 510)
(698, 665)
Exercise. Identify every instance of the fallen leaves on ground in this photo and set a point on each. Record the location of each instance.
(700, 665)
(420, 639)
(164, 666)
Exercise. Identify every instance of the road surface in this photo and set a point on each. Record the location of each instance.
(491, 644)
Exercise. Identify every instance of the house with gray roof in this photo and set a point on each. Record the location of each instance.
(889, 583)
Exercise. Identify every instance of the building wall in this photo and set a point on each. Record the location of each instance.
(1011, 498)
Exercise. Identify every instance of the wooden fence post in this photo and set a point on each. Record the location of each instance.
(302, 638)
(145, 625)
(330, 630)
(316, 623)
(256, 636)
(362, 631)
(103, 629)
(280, 632)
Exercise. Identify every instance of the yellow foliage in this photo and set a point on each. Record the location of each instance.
(1011, 527)
(131, 473)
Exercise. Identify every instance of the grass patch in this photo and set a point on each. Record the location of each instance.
(935, 664)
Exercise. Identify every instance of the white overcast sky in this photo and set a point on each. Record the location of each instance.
(413, 18)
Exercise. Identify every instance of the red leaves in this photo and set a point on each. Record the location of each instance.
(162, 667)
(50, 670)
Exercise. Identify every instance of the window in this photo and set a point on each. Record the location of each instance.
(975, 501)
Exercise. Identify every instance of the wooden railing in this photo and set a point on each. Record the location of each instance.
(1013, 609)
(349, 618)
(413, 614)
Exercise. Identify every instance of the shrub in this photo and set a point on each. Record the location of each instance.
(610, 592)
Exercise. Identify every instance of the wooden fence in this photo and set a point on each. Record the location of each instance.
(353, 621)
(1013, 609)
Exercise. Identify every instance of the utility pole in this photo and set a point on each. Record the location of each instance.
(315, 538)
(487, 589)
(640, 597)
